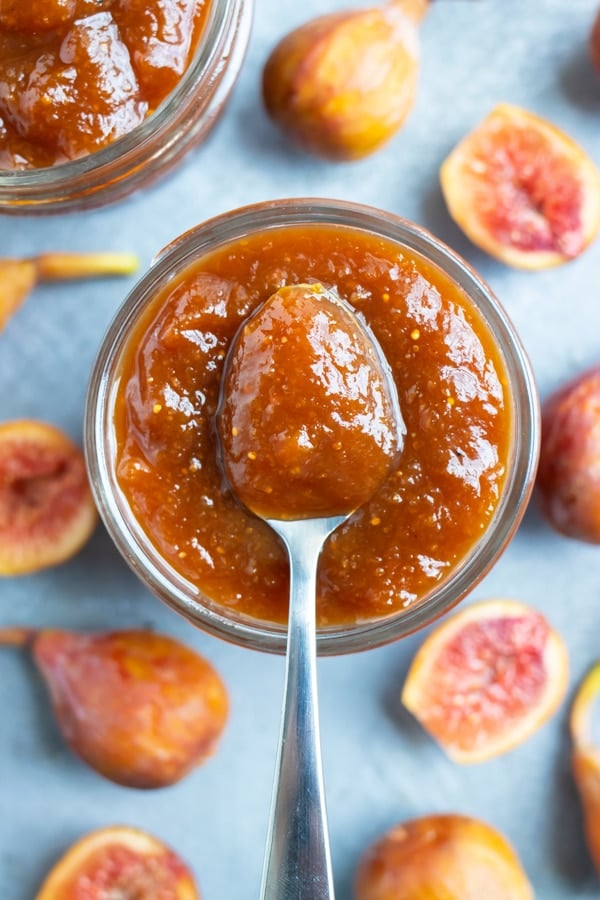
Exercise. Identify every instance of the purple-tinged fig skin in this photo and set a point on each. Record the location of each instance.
(138, 707)
(568, 479)
(594, 43)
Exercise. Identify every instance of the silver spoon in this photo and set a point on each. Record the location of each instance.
(297, 859)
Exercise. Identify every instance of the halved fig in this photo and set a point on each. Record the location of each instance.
(568, 477)
(140, 708)
(18, 277)
(121, 863)
(486, 679)
(47, 512)
(586, 758)
(522, 190)
(442, 856)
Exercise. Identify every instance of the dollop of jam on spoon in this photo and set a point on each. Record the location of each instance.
(309, 420)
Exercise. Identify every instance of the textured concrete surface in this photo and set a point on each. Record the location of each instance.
(380, 767)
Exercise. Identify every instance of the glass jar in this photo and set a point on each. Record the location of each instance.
(143, 556)
(156, 145)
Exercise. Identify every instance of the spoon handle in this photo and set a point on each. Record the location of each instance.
(297, 860)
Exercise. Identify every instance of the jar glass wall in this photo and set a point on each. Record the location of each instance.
(101, 448)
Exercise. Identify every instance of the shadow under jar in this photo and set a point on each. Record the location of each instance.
(103, 101)
(442, 517)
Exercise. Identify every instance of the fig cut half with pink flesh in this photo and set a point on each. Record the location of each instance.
(47, 512)
(522, 190)
(119, 862)
(486, 678)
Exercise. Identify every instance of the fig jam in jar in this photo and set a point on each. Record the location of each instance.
(440, 519)
(100, 97)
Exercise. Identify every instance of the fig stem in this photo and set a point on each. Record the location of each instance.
(58, 266)
(18, 277)
(413, 9)
(16, 636)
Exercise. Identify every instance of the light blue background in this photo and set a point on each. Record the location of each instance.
(380, 767)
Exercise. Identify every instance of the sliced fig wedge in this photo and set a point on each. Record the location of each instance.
(522, 190)
(442, 856)
(46, 508)
(119, 863)
(486, 679)
(586, 759)
(140, 708)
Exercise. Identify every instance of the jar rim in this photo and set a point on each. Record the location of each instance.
(100, 443)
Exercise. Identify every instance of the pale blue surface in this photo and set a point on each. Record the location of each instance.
(380, 768)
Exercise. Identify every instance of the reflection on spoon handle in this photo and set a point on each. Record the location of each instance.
(297, 861)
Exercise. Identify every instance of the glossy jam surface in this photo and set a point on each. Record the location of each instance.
(309, 422)
(451, 382)
(77, 74)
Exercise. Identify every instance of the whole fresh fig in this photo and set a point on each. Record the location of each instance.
(594, 44)
(342, 84)
(140, 708)
(568, 479)
(442, 856)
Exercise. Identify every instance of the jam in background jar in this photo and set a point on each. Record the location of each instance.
(99, 99)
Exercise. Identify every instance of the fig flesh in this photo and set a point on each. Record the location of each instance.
(486, 679)
(18, 277)
(119, 862)
(568, 477)
(586, 759)
(47, 512)
(442, 856)
(522, 190)
(140, 708)
(342, 85)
